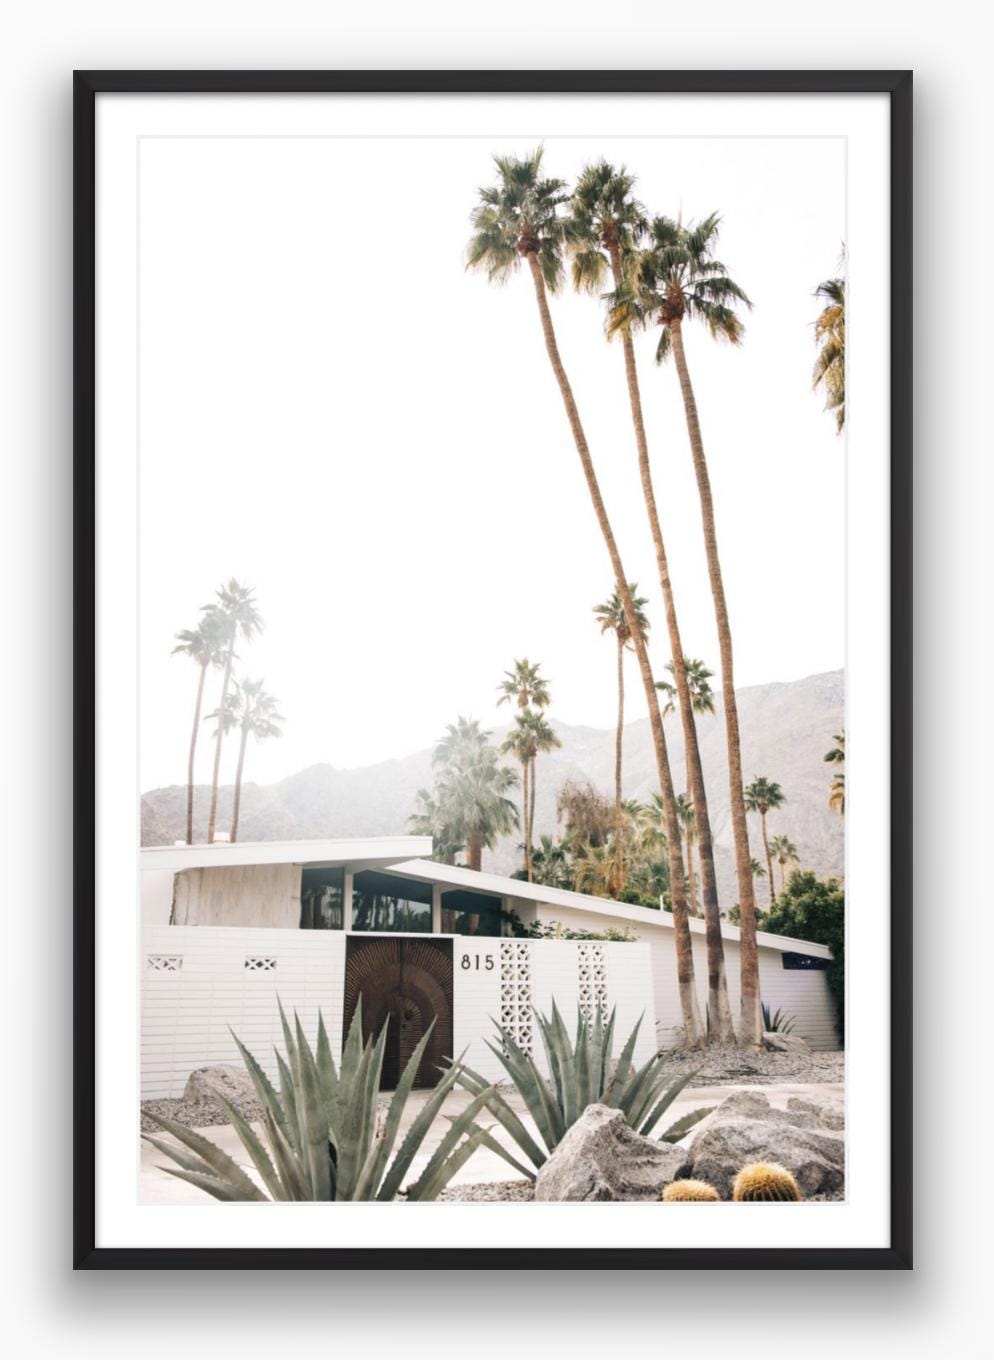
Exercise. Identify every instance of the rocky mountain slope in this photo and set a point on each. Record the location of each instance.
(786, 730)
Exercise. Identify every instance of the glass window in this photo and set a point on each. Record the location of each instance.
(807, 962)
(321, 899)
(470, 913)
(387, 902)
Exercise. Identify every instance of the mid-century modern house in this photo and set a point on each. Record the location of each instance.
(228, 928)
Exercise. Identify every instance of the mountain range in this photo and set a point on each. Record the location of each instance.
(786, 730)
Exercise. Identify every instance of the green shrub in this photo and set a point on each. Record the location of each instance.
(582, 1072)
(322, 1139)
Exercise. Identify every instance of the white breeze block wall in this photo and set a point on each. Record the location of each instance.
(198, 980)
(506, 979)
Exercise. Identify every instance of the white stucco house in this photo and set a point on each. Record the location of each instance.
(225, 929)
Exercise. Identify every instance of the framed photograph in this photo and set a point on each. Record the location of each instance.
(493, 669)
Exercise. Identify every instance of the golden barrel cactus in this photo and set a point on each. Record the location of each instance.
(765, 1181)
(678, 1191)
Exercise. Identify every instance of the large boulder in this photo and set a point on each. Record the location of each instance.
(778, 1042)
(206, 1082)
(807, 1138)
(603, 1158)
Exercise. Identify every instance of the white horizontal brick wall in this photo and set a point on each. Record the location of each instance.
(186, 1014)
(803, 995)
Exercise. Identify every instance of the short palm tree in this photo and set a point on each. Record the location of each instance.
(674, 279)
(431, 818)
(473, 788)
(612, 618)
(830, 336)
(519, 220)
(784, 851)
(256, 715)
(763, 796)
(237, 616)
(837, 788)
(204, 645)
(603, 231)
(756, 869)
(551, 863)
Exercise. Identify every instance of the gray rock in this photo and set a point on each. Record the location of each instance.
(206, 1082)
(602, 1158)
(784, 1043)
(817, 1111)
(807, 1140)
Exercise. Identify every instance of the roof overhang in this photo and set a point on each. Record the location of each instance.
(364, 851)
(455, 876)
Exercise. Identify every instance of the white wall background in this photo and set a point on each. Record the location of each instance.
(942, 1304)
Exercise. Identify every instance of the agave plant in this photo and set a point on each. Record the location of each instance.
(582, 1072)
(322, 1138)
(777, 1022)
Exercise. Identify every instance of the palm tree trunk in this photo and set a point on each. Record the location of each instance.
(193, 752)
(691, 879)
(212, 819)
(531, 814)
(524, 820)
(619, 741)
(681, 928)
(750, 1020)
(237, 803)
(769, 859)
(719, 1007)
(474, 851)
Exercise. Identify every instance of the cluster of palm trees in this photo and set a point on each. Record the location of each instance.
(655, 273)
(243, 704)
(658, 273)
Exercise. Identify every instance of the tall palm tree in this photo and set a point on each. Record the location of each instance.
(763, 796)
(257, 715)
(472, 788)
(203, 645)
(685, 810)
(612, 618)
(237, 615)
(525, 685)
(830, 335)
(784, 851)
(837, 788)
(701, 701)
(518, 219)
(542, 739)
(675, 279)
(605, 225)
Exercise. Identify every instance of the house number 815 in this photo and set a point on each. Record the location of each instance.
(473, 961)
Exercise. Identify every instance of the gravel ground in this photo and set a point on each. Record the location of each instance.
(488, 1191)
(195, 1114)
(745, 1067)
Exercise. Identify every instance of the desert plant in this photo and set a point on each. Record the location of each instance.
(764, 1181)
(678, 1191)
(776, 1022)
(325, 1141)
(582, 1072)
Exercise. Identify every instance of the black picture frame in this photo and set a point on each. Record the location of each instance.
(898, 86)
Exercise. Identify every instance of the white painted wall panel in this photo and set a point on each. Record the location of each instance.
(802, 994)
(476, 1002)
(186, 1013)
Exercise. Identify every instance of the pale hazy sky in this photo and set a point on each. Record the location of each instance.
(335, 412)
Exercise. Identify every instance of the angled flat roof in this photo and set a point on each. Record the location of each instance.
(378, 850)
(455, 876)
